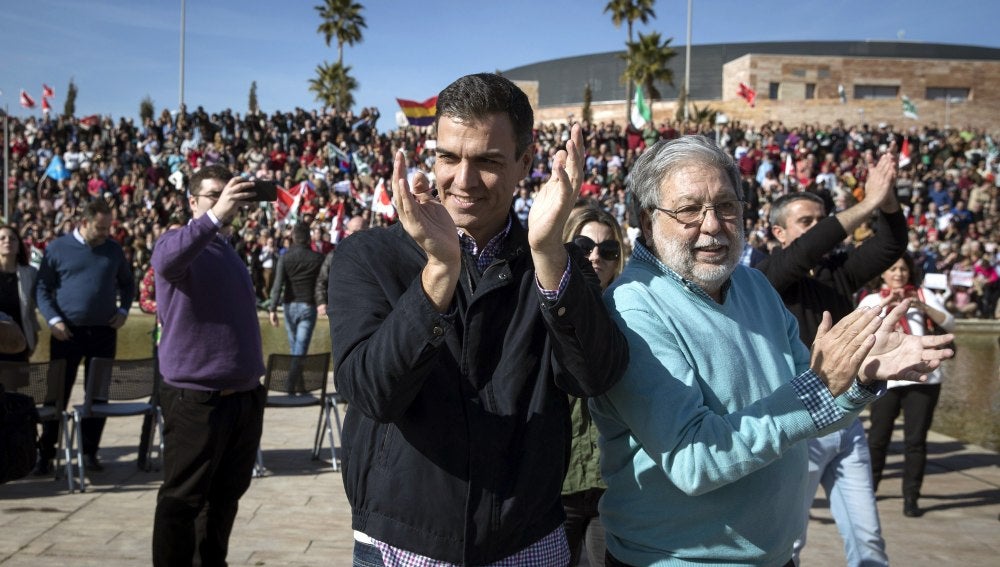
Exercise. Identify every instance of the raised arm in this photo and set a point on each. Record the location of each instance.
(553, 203)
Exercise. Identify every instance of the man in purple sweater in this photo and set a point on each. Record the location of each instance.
(211, 361)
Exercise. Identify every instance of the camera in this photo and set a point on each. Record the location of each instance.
(264, 191)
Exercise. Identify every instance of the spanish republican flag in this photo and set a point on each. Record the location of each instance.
(419, 113)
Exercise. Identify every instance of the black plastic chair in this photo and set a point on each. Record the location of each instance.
(301, 381)
(113, 390)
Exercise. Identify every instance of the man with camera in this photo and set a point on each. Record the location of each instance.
(211, 360)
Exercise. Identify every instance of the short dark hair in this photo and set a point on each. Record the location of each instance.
(216, 172)
(94, 208)
(474, 97)
(300, 233)
(777, 216)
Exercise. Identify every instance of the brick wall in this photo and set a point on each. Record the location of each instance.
(912, 77)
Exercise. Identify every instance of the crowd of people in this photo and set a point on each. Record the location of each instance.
(948, 190)
(419, 342)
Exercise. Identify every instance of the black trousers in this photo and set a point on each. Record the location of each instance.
(917, 403)
(210, 448)
(583, 523)
(86, 343)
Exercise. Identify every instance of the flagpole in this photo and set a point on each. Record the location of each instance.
(181, 93)
(687, 64)
(6, 165)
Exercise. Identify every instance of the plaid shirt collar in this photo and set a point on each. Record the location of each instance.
(485, 256)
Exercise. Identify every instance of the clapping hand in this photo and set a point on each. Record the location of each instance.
(899, 356)
(428, 222)
(424, 218)
(556, 198)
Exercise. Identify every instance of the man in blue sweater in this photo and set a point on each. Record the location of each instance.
(702, 439)
(85, 289)
(211, 360)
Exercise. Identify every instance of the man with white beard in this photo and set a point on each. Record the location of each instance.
(703, 439)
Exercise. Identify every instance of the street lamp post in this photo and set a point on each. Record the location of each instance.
(687, 64)
(6, 165)
(180, 103)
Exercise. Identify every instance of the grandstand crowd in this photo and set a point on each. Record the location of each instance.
(333, 161)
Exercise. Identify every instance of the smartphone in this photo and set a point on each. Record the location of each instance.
(265, 191)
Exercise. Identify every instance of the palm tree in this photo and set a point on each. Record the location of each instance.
(629, 11)
(334, 86)
(341, 20)
(646, 63)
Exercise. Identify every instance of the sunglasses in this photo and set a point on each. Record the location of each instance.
(608, 250)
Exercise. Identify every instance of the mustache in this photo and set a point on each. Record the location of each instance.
(711, 241)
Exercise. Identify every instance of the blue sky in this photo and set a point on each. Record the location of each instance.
(119, 51)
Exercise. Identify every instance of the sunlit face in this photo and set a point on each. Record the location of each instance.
(205, 197)
(897, 276)
(8, 242)
(705, 253)
(800, 216)
(476, 171)
(95, 231)
(605, 268)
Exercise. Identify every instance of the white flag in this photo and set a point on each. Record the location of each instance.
(381, 203)
(641, 113)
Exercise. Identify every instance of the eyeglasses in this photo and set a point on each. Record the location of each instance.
(609, 249)
(692, 214)
(210, 196)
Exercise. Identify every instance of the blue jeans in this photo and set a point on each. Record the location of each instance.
(842, 463)
(367, 555)
(300, 319)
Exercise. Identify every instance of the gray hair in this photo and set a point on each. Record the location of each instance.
(663, 159)
(777, 216)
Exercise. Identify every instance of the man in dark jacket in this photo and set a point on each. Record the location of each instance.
(294, 287)
(456, 336)
(811, 278)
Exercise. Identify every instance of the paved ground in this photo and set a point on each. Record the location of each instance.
(298, 515)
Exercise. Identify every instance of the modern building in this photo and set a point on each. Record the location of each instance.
(795, 82)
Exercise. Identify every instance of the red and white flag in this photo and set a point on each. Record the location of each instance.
(789, 165)
(381, 202)
(747, 94)
(26, 100)
(45, 105)
(904, 153)
(88, 122)
(47, 91)
(337, 224)
(284, 204)
(305, 190)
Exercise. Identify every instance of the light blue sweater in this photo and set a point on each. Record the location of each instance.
(701, 439)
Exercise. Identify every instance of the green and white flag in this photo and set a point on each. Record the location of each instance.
(909, 109)
(641, 114)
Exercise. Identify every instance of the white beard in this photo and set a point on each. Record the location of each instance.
(680, 257)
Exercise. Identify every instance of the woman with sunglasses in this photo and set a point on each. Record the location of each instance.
(17, 290)
(600, 237)
(917, 400)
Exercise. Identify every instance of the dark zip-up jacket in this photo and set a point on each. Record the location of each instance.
(811, 281)
(457, 433)
(295, 276)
